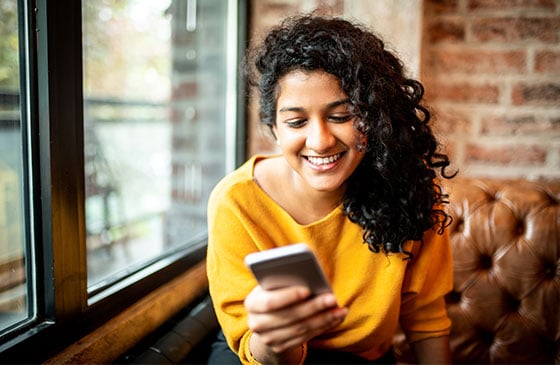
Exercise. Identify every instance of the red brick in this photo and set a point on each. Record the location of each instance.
(450, 149)
(330, 8)
(516, 29)
(183, 143)
(176, 115)
(185, 90)
(180, 114)
(501, 125)
(477, 61)
(547, 62)
(536, 94)
(548, 5)
(464, 92)
(525, 155)
(452, 121)
(184, 38)
(445, 31)
(441, 6)
(277, 9)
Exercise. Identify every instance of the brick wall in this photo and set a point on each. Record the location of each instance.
(492, 71)
(492, 74)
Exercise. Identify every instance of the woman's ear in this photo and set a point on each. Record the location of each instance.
(362, 138)
(362, 142)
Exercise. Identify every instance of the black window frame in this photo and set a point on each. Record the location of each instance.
(51, 60)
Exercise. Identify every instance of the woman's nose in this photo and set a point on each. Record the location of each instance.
(320, 137)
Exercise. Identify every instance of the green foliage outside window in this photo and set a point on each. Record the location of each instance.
(8, 46)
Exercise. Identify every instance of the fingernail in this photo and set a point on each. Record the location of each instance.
(329, 301)
(340, 313)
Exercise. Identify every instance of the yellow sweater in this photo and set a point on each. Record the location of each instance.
(379, 290)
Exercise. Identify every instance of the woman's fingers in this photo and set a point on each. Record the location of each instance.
(284, 318)
(264, 301)
(283, 338)
(293, 312)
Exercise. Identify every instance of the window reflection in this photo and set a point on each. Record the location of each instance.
(13, 277)
(154, 114)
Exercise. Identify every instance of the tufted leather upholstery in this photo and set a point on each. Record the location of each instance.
(505, 302)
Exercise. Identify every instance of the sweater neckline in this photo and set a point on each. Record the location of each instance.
(253, 161)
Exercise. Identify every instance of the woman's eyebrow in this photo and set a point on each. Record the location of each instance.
(329, 106)
(291, 109)
(334, 104)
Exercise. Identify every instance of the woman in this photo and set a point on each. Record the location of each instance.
(358, 165)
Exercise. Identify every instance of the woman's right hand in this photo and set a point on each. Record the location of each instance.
(283, 319)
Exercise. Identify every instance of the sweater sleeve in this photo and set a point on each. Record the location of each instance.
(428, 278)
(229, 241)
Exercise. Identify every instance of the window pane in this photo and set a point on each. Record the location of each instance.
(155, 127)
(13, 288)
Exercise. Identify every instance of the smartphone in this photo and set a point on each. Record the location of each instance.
(286, 266)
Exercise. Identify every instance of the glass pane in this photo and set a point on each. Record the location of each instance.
(154, 110)
(13, 287)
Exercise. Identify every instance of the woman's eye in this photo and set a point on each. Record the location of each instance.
(295, 123)
(341, 118)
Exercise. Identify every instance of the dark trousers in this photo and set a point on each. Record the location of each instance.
(221, 354)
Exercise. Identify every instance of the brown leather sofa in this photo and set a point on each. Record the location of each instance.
(505, 302)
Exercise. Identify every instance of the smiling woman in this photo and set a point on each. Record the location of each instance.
(315, 131)
(358, 164)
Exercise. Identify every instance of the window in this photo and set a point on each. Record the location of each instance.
(155, 117)
(117, 117)
(15, 300)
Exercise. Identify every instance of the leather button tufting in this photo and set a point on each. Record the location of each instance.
(552, 200)
(453, 297)
(485, 262)
(505, 239)
(513, 304)
(460, 225)
(520, 228)
(550, 271)
(486, 337)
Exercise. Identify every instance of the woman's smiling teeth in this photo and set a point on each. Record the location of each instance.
(323, 160)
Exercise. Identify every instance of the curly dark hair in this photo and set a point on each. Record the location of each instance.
(393, 194)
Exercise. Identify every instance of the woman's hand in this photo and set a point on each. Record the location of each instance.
(282, 320)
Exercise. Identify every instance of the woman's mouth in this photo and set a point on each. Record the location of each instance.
(319, 161)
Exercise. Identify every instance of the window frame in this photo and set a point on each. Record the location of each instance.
(51, 42)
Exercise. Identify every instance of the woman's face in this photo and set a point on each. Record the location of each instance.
(315, 130)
